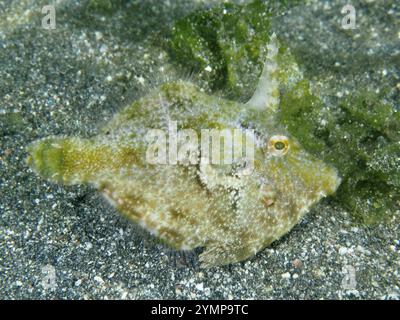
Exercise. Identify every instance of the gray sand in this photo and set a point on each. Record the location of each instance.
(67, 242)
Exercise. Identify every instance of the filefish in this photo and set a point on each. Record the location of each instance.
(231, 210)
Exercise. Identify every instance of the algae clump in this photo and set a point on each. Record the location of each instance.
(361, 138)
(224, 45)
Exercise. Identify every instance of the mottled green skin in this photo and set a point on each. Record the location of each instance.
(232, 215)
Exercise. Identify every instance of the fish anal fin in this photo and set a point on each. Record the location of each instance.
(217, 254)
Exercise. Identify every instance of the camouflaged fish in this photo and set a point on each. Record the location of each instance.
(232, 213)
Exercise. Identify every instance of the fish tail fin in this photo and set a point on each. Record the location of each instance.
(67, 160)
(70, 160)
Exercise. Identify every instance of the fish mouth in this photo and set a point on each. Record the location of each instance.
(318, 177)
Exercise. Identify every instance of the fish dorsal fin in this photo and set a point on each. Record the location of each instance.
(266, 95)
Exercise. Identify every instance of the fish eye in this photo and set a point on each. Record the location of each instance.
(278, 145)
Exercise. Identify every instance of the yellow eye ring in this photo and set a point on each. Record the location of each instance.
(278, 145)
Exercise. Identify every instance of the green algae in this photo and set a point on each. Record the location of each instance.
(224, 47)
(361, 138)
(12, 123)
(104, 6)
